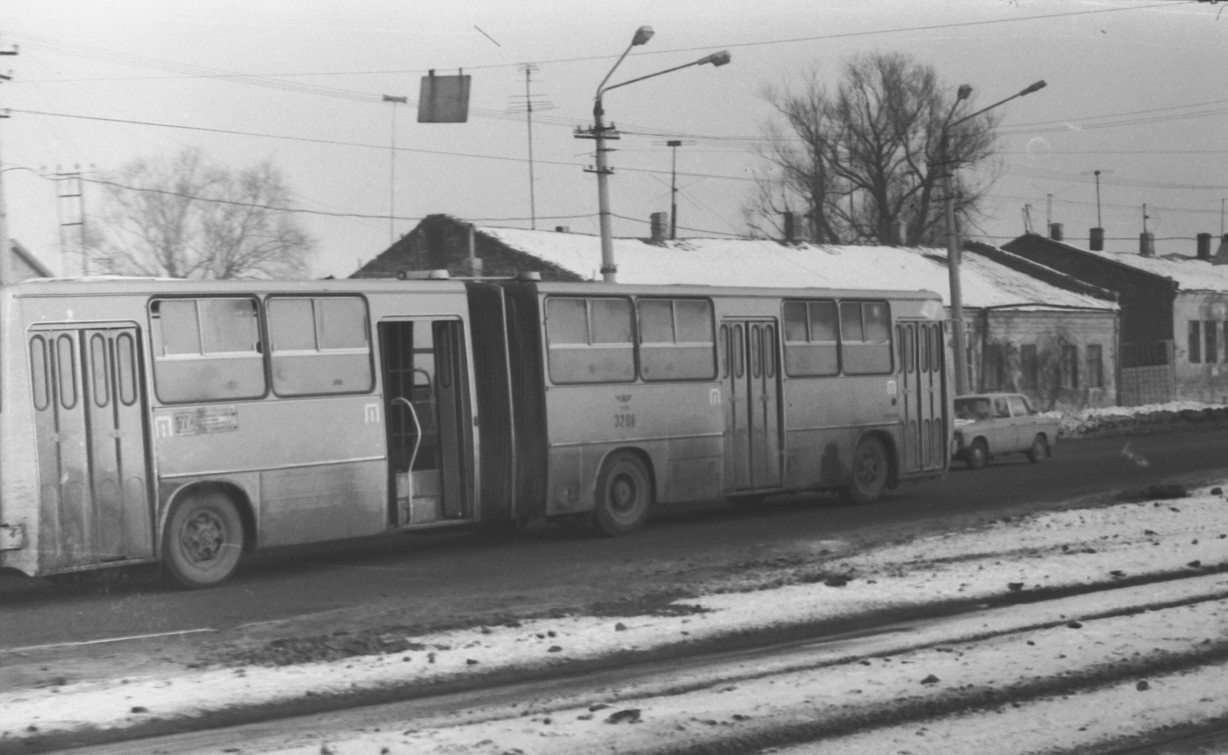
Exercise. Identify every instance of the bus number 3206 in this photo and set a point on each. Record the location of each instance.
(624, 420)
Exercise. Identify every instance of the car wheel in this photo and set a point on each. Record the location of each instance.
(869, 475)
(203, 540)
(624, 495)
(978, 454)
(1039, 450)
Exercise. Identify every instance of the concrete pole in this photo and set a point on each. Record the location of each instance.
(953, 262)
(609, 271)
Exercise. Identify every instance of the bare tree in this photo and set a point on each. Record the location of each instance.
(865, 164)
(183, 218)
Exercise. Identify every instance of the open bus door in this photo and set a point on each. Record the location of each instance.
(89, 416)
(922, 371)
(751, 397)
(429, 420)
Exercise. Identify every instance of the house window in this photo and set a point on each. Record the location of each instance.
(1029, 367)
(1095, 366)
(1195, 342)
(1068, 367)
(1211, 353)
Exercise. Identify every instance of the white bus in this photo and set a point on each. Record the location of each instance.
(188, 422)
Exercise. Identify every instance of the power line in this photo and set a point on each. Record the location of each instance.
(193, 71)
(364, 145)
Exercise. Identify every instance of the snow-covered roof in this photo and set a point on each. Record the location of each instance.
(762, 262)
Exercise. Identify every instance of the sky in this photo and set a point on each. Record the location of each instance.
(1135, 90)
(861, 677)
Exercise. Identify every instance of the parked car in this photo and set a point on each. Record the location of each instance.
(993, 424)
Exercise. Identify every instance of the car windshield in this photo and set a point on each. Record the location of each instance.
(972, 408)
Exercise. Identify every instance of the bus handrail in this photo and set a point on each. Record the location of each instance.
(417, 428)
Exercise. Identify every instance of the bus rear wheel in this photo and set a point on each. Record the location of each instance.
(869, 474)
(203, 540)
(624, 495)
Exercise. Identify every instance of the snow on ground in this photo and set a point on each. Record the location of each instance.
(1119, 544)
(1050, 550)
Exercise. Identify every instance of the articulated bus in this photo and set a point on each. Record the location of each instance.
(187, 423)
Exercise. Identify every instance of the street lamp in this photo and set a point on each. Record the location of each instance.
(953, 246)
(601, 133)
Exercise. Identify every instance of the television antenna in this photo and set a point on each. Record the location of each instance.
(530, 104)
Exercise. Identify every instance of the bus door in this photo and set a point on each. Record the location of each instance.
(922, 361)
(89, 418)
(751, 396)
(429, 420)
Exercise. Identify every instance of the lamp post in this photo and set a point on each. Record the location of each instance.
(601, 133)
(953, 245)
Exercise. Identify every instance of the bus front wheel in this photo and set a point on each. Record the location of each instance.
(203, 540)
(869, 473)
(624, 495)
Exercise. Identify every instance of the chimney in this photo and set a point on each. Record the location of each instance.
(1055, 231)
(790, 234)
(1204, 246)
(473, 265)
(659, 222)
(1147, 244)
(1221, 253)
(1096, 240)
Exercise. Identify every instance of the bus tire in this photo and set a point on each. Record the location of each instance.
(978, 454)
(203, 541)
(871, 468)
(624, 495)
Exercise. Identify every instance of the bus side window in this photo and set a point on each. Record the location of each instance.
(320, 345)
(811, 340)
(865, 337)
(206, 349)
(589, 339)
(676, 339)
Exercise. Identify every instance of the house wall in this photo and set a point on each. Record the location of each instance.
(1146, 300)
(1062, 374)
(1200, 374)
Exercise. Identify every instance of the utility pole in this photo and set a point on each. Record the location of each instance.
(392, 167)
(528, 114)
(6, 246)
(674, 144)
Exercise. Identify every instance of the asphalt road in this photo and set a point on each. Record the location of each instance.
(447, 576)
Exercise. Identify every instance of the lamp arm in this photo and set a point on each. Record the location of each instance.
(1034, 87)
(649, 76)
(617, 63)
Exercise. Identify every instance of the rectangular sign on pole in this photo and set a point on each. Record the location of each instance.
(443, 99)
